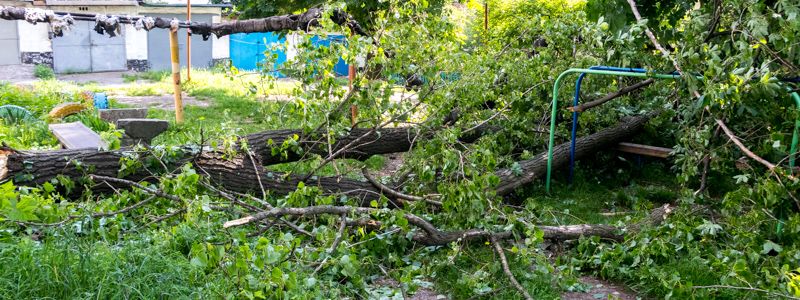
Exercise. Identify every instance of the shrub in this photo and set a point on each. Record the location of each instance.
(43, 72)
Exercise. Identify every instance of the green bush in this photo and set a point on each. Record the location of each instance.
(43, 72)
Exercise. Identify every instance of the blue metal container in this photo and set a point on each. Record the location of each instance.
(100, 101)
(248, 51)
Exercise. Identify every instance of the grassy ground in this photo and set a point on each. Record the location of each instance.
(107, 258)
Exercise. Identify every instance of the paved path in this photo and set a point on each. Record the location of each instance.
(17, 74)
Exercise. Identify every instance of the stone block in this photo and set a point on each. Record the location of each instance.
(112, 115)
(141, 130)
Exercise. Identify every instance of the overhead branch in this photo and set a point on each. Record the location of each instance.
(652, 37)
(110, 23)
(655, 42)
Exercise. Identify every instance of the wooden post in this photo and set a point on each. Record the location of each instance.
(351, 76)
(486, 15)
(188, 41)
(176, 74)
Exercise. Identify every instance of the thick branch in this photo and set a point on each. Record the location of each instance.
(611, 96)
(770, 166)
(303, 21)
(432, 236)
(245, 173)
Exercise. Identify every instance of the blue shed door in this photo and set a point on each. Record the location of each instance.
(248, 51)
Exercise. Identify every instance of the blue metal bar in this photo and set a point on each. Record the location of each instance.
(575, 101)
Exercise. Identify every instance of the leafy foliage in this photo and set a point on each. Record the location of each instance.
(43, 72)
(742, 232)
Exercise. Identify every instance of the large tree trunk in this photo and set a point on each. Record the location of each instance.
(381, 141)
(243, 174)
(536, 167)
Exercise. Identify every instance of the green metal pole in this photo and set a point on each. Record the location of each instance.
(796, 135)
(554, 105)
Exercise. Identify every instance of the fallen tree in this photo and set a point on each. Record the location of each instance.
(245, 172)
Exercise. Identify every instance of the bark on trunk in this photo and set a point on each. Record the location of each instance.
(243, 174)
(302, 21)
(584, 146)
(382, 141)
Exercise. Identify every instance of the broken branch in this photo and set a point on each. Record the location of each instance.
(611, 96)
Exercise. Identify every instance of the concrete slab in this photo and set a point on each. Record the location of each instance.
(75, 135)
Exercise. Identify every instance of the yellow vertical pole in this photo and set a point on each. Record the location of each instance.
(176, 74)
(188, 41)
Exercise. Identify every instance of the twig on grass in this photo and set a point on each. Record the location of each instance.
(499, 249)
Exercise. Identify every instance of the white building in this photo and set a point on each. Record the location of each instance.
(81, 49)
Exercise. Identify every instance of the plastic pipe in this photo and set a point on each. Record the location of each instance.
(575, 101)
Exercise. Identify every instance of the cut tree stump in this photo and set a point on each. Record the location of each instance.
(75, 135)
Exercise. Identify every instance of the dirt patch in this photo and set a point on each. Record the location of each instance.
(600, 289)
(165, 102)
(391, 165)
(17, 74)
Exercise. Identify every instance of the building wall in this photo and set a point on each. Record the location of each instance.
(158, 47)
(194, 2)
(136, 49)
(9, 38)
(220, 47)
(35, 46)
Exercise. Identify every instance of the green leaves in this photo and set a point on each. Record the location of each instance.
(18, 207)
(708, 228)
(770, 247)
(348, 266)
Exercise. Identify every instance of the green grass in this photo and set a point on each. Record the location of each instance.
(153, 76)
(71, 267)
(207, 84)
